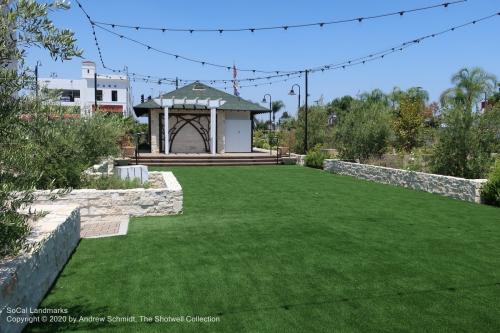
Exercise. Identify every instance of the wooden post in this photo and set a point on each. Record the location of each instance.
(166, 142)
(213, 132)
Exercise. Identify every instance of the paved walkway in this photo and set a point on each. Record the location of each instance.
(105, 227)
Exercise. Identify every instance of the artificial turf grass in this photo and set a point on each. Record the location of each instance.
(294, 249)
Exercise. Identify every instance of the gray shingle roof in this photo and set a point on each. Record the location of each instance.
(202, 91)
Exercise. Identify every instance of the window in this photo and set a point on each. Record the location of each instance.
(198, 87)
(114, 95)
(69, 95)
(99, 95)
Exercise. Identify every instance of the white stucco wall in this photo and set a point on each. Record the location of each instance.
(154, 124)
(237, 131)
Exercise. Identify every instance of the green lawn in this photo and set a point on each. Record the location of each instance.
(291, 249)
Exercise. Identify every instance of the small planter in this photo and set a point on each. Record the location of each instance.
(128, 151)
(127, 147)
(122, 161)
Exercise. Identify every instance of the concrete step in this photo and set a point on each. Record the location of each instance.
(197, 158)
(205, 160)
(218, 156)
(201, 163)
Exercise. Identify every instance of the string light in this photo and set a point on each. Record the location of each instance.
(287, 74)
(177, 56)
(404, 45)
(329, 66)
(286, 27)
(370, 57)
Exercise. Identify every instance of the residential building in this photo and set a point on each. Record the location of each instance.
(112, 94)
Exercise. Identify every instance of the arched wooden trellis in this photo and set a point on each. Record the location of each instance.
(196, 121)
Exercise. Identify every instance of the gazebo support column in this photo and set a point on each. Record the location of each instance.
(213, 128)
(165, 131)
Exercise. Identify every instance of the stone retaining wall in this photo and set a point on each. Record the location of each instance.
(300, 159)
(26, 279)
(459, 188)
(164, 198)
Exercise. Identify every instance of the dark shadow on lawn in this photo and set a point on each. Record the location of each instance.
(333, 300)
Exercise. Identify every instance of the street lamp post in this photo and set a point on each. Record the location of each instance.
(264, 100)
(292, 93)
(270, 120)
(306, 109)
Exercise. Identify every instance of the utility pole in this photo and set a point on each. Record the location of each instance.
(176, 83)
(95, 92)
(305, 110)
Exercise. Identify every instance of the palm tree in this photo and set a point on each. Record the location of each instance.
(470, 85)
(414, 93)
(276, 107)
(419, 94)
(374, 97)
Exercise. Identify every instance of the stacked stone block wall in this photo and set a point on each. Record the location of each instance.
(458, 188)
(164, 198)
(25, 279)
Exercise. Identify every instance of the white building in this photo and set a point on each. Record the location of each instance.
(113, 91)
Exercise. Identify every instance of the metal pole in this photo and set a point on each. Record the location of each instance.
(305, 110)
(270, 125)
(274, 117)
(176, 83)
(36, 81)
(136, 148)
(270, 120)
(95, 92)
(270, 114)
(298, 107)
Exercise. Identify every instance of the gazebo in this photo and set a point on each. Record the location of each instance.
(199, 119)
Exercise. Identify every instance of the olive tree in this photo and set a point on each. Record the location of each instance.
(364, 130)
(24, 24)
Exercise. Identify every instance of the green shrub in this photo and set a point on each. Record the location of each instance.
(465, 142)
(315, 158)
(490, 192)
(318, 131)
(260, 139)
(114, 183)
(69, 146)
(363, 132)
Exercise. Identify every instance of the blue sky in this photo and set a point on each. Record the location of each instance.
(428, 65)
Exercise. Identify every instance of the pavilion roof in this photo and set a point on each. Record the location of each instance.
(201, 91)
